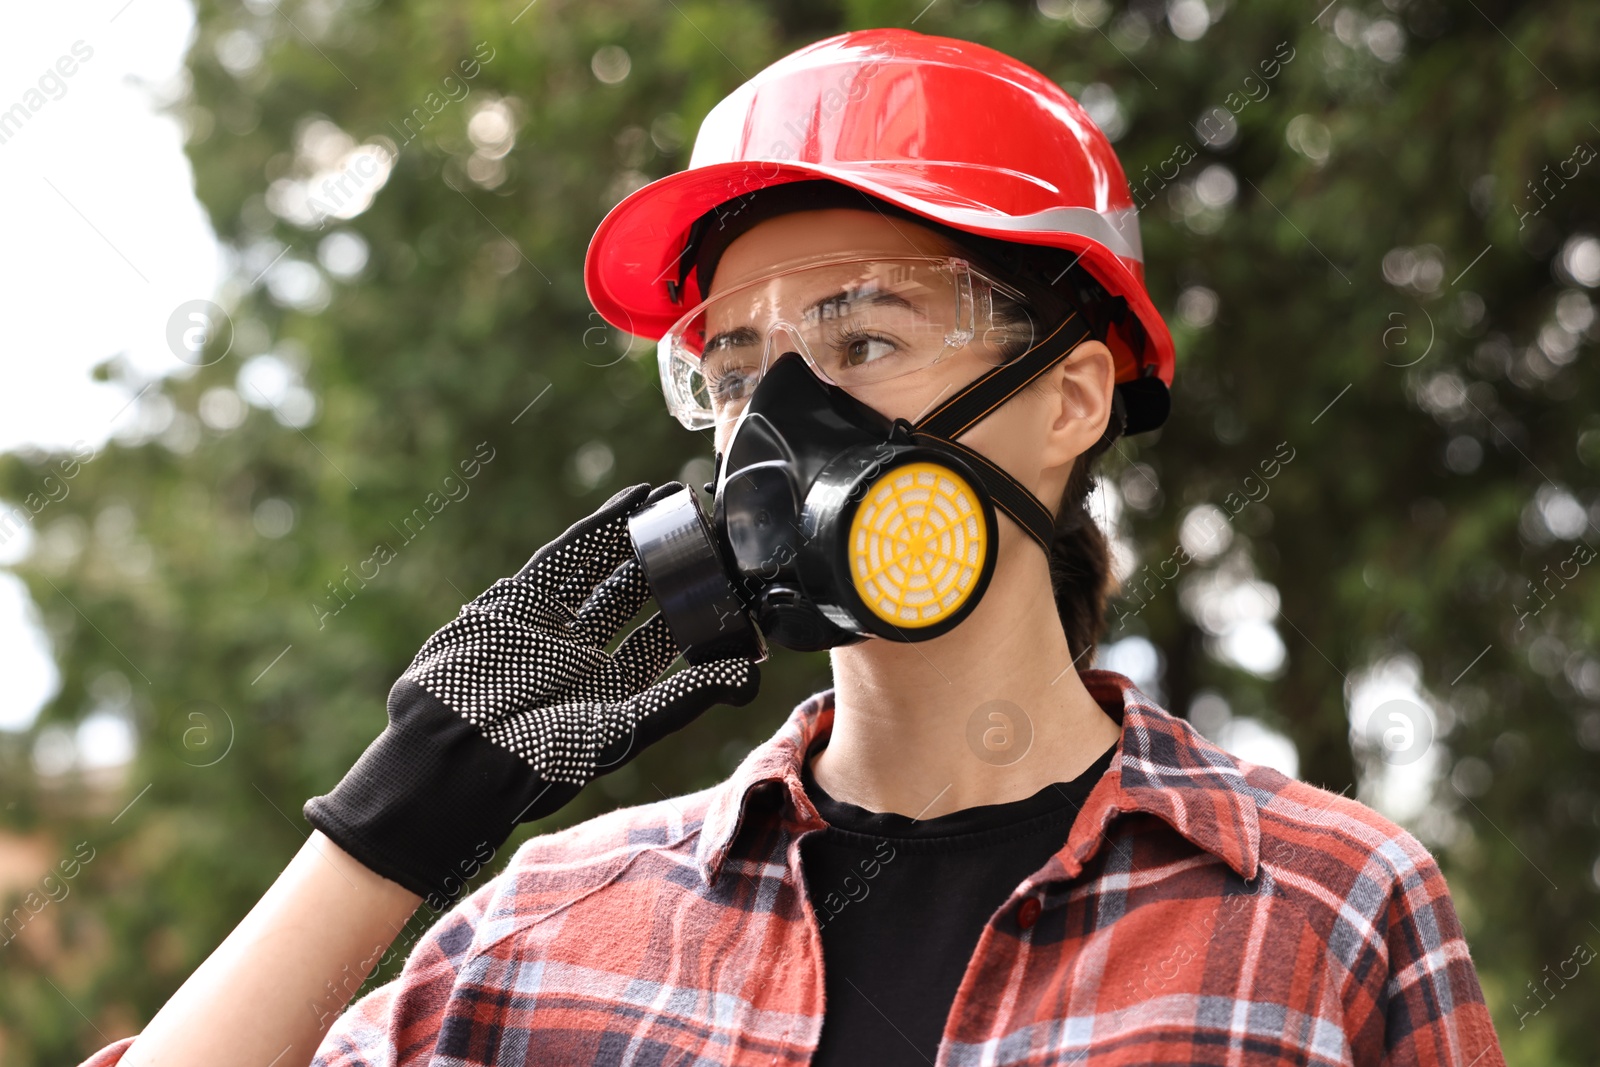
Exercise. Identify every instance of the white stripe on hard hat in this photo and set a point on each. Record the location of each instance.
(1118, 230)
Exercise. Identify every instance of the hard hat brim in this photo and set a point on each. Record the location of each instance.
(634, 252)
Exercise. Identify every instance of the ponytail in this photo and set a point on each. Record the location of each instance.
(1080, 564)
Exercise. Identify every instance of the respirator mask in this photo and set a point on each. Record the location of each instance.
(831, 523)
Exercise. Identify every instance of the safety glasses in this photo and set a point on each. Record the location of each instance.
(856, 321)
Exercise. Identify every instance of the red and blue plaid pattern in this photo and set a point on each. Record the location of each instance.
(1204, 910)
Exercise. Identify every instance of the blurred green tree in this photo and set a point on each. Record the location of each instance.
(1373, 228)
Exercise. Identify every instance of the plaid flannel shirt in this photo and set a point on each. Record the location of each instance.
(1204, 910)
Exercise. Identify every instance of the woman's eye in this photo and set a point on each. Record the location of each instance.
(865, 349)
(731, 386)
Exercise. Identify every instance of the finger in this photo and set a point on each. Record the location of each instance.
(522, 601)
(570, 567)
(679, 699)
(662, 491)
(646, 652)
(624, 591)
(615, 601)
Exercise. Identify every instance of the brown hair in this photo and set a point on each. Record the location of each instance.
(1080, 564)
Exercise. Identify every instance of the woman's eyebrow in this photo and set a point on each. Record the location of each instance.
(871, 298)
(737, 335)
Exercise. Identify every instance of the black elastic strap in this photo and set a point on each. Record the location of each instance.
(975, 401)
(1008, 494)
(994, 387)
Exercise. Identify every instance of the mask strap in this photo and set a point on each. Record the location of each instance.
(1008, 494)
(976, 400)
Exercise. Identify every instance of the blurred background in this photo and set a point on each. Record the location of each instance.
(273, 272)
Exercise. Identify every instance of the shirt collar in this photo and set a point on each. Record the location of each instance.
(1162, 767)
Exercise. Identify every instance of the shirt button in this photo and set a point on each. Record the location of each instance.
(1028, 912)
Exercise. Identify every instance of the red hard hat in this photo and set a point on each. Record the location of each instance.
(944, 128)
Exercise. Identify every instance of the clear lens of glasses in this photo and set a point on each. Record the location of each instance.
(855, 321)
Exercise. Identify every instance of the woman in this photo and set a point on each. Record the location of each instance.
(972, 849)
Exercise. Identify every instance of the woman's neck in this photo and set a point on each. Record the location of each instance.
(991, 712)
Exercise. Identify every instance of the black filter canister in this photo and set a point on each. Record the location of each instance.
(680, 561)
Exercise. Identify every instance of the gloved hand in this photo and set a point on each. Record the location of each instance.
(511, 708)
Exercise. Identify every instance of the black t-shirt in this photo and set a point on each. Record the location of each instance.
(903, 901)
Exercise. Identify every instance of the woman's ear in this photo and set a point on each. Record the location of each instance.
(1079, 389)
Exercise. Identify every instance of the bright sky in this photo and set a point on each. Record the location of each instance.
(103, 239)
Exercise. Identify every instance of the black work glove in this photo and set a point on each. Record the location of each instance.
(511, 708)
